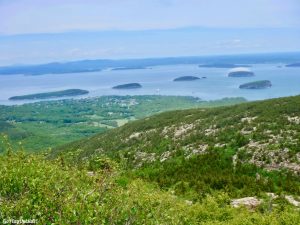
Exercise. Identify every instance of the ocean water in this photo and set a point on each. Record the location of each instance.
(158, 80)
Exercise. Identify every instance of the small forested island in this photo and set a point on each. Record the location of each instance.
(130, 68)
(222, 65)
(186, 78)
(257, 85)
(128, 86)
(241, 73)
(55, 94)
(293, 65)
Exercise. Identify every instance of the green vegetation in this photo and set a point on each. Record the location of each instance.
(52, 192)
(47, 124)
(207, 150)
(178, 167)
(268, 129)
(261, 84)
(197, 176)
(55, 94)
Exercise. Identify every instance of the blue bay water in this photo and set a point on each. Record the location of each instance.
(158, 80)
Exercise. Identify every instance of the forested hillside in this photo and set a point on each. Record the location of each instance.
(264, 133)
(227, 165)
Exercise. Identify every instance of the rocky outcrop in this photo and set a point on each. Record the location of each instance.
(248, 202)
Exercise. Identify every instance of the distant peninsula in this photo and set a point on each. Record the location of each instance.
(128, 86)
(55, 94)
(293, 65)
(262, 84)
(96, 65)
(186, 78)
(130, 68)
(222, 65)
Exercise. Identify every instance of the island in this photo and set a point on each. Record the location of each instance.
(128, 86)
(186, 78)
(222, 65)
(130, 68)
(240, 72)
(47, 95)
(293, 65)
(261, 84)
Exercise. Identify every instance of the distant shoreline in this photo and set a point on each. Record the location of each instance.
(97, 65)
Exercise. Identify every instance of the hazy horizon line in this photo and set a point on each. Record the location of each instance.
(151, 58)
(117, 30)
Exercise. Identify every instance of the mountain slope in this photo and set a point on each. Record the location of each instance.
(250, 149)
(264, 133)
(183, 167)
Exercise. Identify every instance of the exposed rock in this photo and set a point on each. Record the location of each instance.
(90, 173)
(292, 200)
(135, 135)
(295, 119)
(276, 159)
(183, 129)
(167, 130)
(166, 155)
(248, 119)
(211, 130)
(201, 149)
(219, 145)
(248, 202)
(143, 157)
(246, 132)
(234, 161)
(257, 177)
(188, 202)
(272, 195)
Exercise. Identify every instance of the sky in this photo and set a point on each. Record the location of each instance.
(36, 31)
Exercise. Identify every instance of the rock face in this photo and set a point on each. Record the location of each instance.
(262, 84)
(128, 86)
(186, 78)
(240, 72)
(47, 95)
